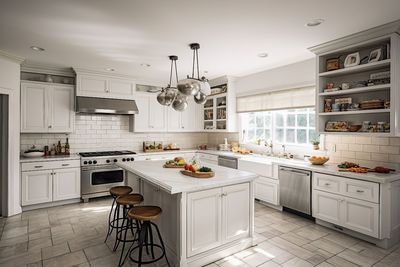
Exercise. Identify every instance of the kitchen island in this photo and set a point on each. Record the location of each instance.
(203, 220)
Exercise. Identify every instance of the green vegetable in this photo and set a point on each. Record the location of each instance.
(205, 169)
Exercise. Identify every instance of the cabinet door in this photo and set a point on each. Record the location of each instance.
(92, 85)
(61, 109)
(235, 212)
(157, 115)
(204, 223)
(361, 216)
(134, 182)
(326, 207)
(34, 108)
(189, 119)
(266, 190)
(174, 120)
(66, 184)
(37, 187)
(142, 119)
(123, 89)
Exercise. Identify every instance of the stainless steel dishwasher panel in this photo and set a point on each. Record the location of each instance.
(295, 189)
(228, 162)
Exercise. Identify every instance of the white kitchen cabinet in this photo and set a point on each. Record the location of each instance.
(37, 187)
(326, 207)
(217, 216)
(207, 158)
(34, 108)
(235, 212)
(204, 221)
(97, 84)
(47, 108)
(358, 215)
(152, 116)
(66, 184)
(267, 190)
(48, 181)
(361, 216)
(189, 120)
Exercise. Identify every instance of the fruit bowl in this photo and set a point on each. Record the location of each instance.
(318, 160)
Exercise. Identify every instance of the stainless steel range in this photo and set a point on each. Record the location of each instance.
(99, 172)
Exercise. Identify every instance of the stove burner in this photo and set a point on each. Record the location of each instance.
(106, 153)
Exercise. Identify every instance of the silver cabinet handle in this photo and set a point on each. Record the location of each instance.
(50, 126)
(359, 191)
(223, 194)
(65, 164)
(37, 167)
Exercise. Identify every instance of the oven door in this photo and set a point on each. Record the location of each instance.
(100, 180)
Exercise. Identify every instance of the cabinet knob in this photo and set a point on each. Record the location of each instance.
(360, 191)
(327, 184)
(50, 126)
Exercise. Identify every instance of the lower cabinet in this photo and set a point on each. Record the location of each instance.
(357, 215)
(45, 186)
(66, 184)
(37, 187)
(217, 216)
(267, 190)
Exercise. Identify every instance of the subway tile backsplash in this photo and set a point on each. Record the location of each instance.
(368, 151)
(109, 132)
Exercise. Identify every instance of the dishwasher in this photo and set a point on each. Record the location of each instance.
(295, 190)
(229, 162)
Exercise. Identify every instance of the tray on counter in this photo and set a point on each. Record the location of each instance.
(202, 175)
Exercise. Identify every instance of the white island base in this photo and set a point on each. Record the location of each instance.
(199, 227)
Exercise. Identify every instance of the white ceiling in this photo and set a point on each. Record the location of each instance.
(123, 34)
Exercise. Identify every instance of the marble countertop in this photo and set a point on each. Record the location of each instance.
(50, 158)
(173, 182)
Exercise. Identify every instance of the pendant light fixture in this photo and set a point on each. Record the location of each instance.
(168, 94)
(192, 86)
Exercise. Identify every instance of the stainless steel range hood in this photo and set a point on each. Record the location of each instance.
(95, 105)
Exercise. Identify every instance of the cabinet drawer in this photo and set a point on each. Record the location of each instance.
(361, 189)
(267, 190)
(47, 165)
(327, 183)
(208, 157)
(348, 187)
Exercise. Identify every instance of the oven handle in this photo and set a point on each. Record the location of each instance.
(102, 169)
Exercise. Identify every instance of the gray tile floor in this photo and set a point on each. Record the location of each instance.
(73, 235)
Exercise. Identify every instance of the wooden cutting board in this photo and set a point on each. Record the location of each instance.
(202, 175)
(173, 166)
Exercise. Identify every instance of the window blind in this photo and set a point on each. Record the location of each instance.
(285, 99)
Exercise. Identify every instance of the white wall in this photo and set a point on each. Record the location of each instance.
(9, 85)
(289, 76)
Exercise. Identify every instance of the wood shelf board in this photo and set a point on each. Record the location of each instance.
(359, 133)
(358, 90)
(356, 69)
(355, 112)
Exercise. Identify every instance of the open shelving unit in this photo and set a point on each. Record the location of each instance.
(363, 43)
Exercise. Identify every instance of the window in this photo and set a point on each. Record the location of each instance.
(292, 126)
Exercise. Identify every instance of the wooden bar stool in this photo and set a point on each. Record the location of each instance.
(127, 202)
(115, 192)
(145, 215)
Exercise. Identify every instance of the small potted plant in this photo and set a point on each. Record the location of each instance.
(315, 143)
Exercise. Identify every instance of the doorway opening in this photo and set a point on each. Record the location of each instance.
(3, 154)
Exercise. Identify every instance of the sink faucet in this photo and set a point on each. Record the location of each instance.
(270, 147)
(284, 150)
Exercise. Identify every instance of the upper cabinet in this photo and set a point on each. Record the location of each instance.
(95, 84)
(152, 115)
(219, 111)
(358, 84)
(47, 107)
(189, 120)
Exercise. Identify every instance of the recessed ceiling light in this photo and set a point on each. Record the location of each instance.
(314, 22)
(37, 48)
(109, 69)
(145, 65)
(263, 55)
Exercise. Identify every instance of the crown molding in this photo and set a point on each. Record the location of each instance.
(12, 57)
(376, 32)
(47, 69)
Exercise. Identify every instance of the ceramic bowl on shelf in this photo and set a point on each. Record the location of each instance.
(318, 160)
